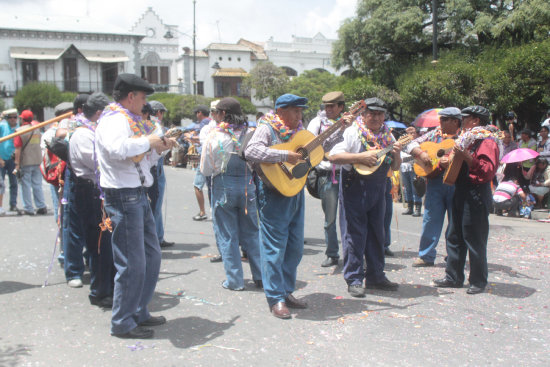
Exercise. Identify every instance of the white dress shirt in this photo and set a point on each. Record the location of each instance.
(115, 146)
(81, 153)
(216, 152)
(350, 144)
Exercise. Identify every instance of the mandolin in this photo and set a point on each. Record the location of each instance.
(289, 179)
(381, 156)
(171, 133)
(435, 151)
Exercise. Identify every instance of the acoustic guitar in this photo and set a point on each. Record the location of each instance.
(289, 179)
(435, 151)
(171, 133)
(363, 169)
(455, 163)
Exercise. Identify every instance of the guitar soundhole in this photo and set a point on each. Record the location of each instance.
(303, 152)
(440, 153)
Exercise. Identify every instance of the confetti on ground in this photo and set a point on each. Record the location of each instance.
(140, 346)
(213, 346)
(338, 297)
(181, 294)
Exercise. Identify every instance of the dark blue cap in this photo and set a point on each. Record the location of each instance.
(288, 100)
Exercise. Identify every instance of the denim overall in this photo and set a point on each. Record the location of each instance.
(236, 221)
(362, 210)
(281, 239)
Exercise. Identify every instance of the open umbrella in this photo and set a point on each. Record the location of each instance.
(428, 118)
(519, 155)
(395, 125)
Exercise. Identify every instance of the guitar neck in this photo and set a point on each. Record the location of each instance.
(403, 141)
(318, 140)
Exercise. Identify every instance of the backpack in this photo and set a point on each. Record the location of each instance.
(52, 168)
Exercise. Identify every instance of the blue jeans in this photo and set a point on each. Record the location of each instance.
(73, 237)
(8, 168)
(329, 201)
(83, 220)
(388, 214)
(156, 195)
(236, 220)
(55, 200)
(439, 199)
(136, 254)
(410, 195)
(281, 241)
(31, 178)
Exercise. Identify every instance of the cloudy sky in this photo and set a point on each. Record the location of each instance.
(217, 20)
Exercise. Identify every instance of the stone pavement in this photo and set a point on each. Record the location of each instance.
(509, 325)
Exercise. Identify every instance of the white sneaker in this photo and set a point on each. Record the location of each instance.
(75, 283)
(2, 212)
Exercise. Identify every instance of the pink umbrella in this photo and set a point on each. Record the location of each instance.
(519, 155)
(428, 118)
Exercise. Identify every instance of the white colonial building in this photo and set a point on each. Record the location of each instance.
(83, 55)
(75, 54)
(158, 50)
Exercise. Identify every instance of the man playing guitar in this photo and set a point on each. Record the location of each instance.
(478, 148)
(438, 195)
(363, 199)
(281, 217)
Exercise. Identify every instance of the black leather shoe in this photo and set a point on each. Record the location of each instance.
(475, 290)
(446, 283)
(329, 261)
(164, 244)
(356, 290)
(280, 311)
(42, 211)
(388, 252)
(384, 285)
(136, 333)
(103, 302)
(293, 302)
(259, 283)
(154, 321)
(216, 259)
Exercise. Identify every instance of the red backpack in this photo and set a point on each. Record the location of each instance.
(52, 168)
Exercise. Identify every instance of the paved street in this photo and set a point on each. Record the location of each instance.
(509, 325)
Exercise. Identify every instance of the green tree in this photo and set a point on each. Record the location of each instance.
(35, 96)
(386, 36)
(267, 81)
(355, 89)
(312, 84)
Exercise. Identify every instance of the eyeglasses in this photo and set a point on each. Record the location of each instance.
(11, 117)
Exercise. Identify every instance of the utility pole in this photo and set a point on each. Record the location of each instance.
(434, 24)
(195, 51)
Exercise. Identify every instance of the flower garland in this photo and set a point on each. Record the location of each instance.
(468, 137)
(137, 126)
(380, 140)
(285, 133)
(227, 128)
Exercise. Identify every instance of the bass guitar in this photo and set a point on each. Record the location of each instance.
(289, 179)
(171, 133)
(363, 169)
(435, 151)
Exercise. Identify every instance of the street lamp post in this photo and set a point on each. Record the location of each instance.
(169, 35)
(434, 24)
(195, 51)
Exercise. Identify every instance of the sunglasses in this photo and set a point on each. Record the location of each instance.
(11, 117)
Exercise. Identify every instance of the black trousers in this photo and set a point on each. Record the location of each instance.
(468, 233)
